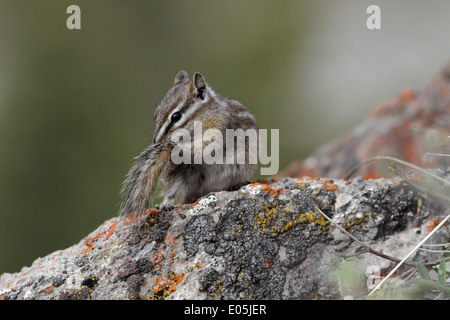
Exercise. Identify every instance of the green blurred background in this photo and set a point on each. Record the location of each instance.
(76, 106)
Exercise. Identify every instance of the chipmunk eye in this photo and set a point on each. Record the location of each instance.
(175, 117)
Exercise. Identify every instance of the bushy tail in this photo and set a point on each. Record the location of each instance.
(141, 181)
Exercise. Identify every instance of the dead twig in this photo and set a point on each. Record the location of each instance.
(410, 253)
(369, 249)
(421, 243)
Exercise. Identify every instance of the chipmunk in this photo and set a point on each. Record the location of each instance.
(189, 101)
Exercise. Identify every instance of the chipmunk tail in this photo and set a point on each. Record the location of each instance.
(142, 179)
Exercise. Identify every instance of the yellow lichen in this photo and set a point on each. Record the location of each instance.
(358, 219)
(277, 218)
(217, 295)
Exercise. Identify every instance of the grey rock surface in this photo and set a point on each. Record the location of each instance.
(408, 126)
(264, 241)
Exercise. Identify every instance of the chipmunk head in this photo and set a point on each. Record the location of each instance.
(188, 100)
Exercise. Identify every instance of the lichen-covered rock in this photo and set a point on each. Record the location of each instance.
(409, 126)
(267, 240)
(264, 241)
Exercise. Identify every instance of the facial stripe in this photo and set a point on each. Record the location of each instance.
(192, 113)
(176, 104)
(184, 107)
(188, 107)
(187, 111)
(179, 102)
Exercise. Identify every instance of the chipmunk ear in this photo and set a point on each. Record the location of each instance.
(199, 86)
(181, 76)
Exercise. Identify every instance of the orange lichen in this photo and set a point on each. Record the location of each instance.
(90, 242)
(195, 265)
(133, 217)
(272, 191)
(329, 186)
(432, 223)
(406, 95)
(269, 262)
(169, 240)
(111, 229)
(266, 188)
(157, 259)
(164, 286)
(90, 245)
(264, 181)
(410, 150)
(255, 184)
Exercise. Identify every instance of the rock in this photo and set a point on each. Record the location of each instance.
(264, 241)
(267, 240)
(409, 126)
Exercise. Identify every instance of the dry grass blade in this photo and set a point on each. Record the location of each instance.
(401, 162)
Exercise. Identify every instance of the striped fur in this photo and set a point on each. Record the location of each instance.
(194, 100)
(142, 179)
